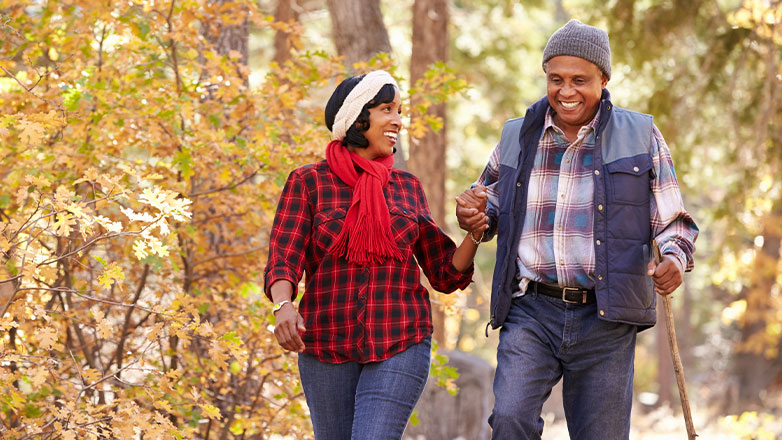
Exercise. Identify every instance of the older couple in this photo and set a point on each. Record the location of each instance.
(575, 191)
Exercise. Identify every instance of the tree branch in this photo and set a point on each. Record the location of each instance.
(30, 90)
(128, 314)
(227, 187)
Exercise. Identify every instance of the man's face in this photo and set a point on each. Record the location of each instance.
(575, 86)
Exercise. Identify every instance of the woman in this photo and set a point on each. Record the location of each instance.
(359, 229)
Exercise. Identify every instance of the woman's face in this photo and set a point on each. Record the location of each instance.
(384, 126)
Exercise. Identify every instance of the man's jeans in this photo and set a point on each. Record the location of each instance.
(365, 401)
(544, 339)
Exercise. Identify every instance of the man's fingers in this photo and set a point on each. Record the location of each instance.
(469, 200)
(466, 207)
(666, 276)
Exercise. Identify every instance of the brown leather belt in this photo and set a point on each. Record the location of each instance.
(571, 295)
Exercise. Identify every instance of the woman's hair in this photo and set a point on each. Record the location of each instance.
(354, 135)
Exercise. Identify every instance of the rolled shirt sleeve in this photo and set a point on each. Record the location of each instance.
(672, 226)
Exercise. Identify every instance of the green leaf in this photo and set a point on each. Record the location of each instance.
(249, 289)
(232, 337)
(71, 98)
(32, 411)
(414, 418)
(184, 160)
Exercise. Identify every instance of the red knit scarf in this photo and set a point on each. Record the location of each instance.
(366, 236)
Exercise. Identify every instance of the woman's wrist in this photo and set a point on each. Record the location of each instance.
(475, 241)
(279, 305)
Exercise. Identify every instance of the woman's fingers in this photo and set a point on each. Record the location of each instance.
(287, 331)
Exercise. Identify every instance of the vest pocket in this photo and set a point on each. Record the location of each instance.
(629, 179)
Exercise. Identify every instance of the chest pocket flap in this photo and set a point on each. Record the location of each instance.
(629, 179)
(404, 224)
(327, 226)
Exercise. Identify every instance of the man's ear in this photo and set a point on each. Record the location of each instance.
(604, 80)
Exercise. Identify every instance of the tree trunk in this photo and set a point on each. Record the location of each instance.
(226, 38)
(427, 155)
(359, 34)
(755, 371)
(287, 11)
(358, 29)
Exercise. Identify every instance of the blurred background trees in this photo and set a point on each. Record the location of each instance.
(143, 146)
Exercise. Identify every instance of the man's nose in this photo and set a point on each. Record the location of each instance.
(567, 90)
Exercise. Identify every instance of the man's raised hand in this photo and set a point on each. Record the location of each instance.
(471, 209)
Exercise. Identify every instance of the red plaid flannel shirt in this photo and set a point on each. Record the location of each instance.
(352, 312)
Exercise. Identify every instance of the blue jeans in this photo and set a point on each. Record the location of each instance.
(545, 339)
(365, 401)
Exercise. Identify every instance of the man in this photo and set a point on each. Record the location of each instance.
(577, 191)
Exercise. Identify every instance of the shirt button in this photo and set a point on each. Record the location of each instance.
(563, 196)
(599, 207)
(567, 160)
(597, 172)
(635, 169)
(559, 228)
(518, 184)
(562, 262)
(600, 277)
(598, 242)
(602, 313)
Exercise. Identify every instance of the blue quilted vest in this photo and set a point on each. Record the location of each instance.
(622, 172)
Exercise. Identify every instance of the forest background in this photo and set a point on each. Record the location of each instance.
(143, 145)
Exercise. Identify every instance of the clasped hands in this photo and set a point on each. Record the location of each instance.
(470, 211)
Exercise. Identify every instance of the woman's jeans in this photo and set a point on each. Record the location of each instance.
(365, 401)
(545, 339)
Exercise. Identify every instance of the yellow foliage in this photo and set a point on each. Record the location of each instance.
(138, 180)
(751, 426)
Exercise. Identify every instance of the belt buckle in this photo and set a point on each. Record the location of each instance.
(564, 291)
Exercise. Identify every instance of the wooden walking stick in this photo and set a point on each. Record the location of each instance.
(677, 361)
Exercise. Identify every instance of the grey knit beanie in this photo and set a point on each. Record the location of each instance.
(580, 40)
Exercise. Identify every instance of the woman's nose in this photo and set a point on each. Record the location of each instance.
(396, 119)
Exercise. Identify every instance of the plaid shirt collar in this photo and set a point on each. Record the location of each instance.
(587, 132)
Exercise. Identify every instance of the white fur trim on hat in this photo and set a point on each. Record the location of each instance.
(364, 91)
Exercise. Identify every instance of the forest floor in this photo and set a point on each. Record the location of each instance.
(664, 424)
